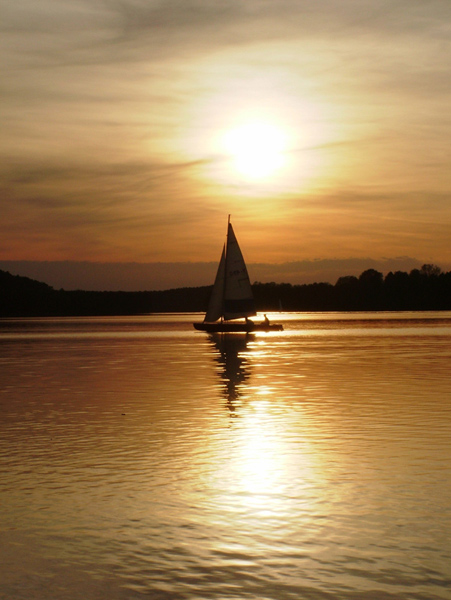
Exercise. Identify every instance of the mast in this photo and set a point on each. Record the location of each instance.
(227, 240)
(226, 249)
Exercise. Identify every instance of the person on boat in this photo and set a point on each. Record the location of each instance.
(266, 321)
(249, 322)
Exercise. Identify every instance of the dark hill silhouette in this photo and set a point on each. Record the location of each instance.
(421, 289)
(21, 296)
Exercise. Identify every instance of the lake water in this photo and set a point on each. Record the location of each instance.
(141, 459)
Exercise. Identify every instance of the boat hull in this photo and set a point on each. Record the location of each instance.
(227, 327)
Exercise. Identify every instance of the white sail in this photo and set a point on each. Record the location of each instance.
(215, 306)
(238, 297)
(231, 297)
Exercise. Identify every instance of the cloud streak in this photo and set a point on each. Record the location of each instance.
(95, 276)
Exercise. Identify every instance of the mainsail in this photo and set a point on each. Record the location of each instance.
(238, 297)
(232, 296)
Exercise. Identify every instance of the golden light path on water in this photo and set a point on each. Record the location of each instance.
(261, 472)
(264, 459)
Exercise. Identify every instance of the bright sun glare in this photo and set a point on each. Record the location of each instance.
(256, 149)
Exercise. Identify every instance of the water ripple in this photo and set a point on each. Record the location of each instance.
(141, 459)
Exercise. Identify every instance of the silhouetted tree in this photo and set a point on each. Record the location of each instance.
(430, 270)
(347, 293)
(371, 282)
(347, 280)
(396, 291)
(371, 278)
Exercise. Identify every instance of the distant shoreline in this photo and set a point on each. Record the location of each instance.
(421, 289)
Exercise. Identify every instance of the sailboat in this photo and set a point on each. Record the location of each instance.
(231, 297)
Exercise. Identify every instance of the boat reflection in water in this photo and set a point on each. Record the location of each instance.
(234, 366)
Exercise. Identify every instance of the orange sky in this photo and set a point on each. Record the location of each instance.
(118, 120)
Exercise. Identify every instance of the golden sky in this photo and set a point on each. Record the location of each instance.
(132, 129)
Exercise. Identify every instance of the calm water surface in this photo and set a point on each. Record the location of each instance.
(142, 459)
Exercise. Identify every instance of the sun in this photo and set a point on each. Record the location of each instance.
(256, 149)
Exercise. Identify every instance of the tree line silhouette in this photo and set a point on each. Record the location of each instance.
(427, 288)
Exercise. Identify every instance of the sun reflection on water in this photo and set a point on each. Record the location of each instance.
(258, 467)
(260, 453)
